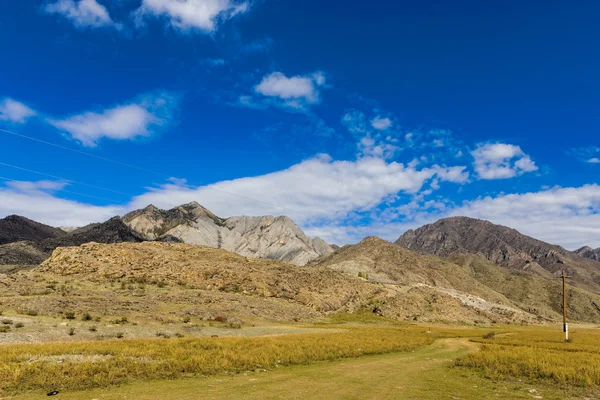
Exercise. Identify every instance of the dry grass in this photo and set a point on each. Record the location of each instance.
(99, 364)
(540, 354)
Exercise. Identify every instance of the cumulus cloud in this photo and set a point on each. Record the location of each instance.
(14, 111)
(318, 188)
(188, 15)
(381, 124)
(569, 217)
(501, 161)
(566, 216)
(142, 117)
(82, 13)
(37, 200)
(371, 147)
(296, 92)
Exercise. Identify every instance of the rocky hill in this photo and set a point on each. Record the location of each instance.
(588, 252)
(277, 238)
(439, 288)
(403, 285)
(34, 252)
(17, 229)
(502, 246)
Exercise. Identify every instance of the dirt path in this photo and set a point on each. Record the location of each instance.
(423, 374)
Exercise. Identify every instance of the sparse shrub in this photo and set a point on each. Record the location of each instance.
(86, 317)
(69, 315)
(179, 335)
(7, 322)
(71, 331)
(120, 335)
(235, 325)
(4, 328)
(30, 312)
(161, 284)
(121, 321)
(19, 325)
(490, 335)
(1, 311)
(163, 335)
(186, 320)
(363, 275)
(97, 319)
(93, 328)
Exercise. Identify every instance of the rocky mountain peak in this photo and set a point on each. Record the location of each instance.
(588, 252)
(262, 237)
(15, 228)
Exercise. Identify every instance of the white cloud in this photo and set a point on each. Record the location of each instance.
(37, 201)
(15, 112)
(380, 123)
(186, 15)
(139, 118)
(27, 186)
(82, 13)
(566, 216)
(296, 92)
(569, 217)
(594, 160)
(501, 161)
(318, 188)
(371, 147)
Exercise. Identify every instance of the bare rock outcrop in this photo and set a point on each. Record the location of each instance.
(277, 238)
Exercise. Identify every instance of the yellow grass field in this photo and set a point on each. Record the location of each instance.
(540, 354)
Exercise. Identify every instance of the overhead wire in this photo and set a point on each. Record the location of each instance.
(124, 165)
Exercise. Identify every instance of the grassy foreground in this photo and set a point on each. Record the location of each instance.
(422, 374)
(83, 365)
(540, 354)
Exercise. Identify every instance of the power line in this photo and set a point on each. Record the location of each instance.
(129, 166)
(68, 191)
(63, 179)
(82, 153)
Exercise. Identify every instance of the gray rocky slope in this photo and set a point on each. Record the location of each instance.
(277, 238)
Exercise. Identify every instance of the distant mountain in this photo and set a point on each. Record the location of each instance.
(277, 238)
(502, 246)
(35, 251)
(588, 252)
(16, 229)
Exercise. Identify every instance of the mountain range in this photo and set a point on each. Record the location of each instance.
(23, 241)
(456, 269)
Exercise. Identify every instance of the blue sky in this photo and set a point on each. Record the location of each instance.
(354, 119)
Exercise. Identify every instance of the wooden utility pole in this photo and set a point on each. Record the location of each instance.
(564, 287)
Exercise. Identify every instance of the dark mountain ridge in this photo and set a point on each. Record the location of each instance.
(15, 228)
(503, 246)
